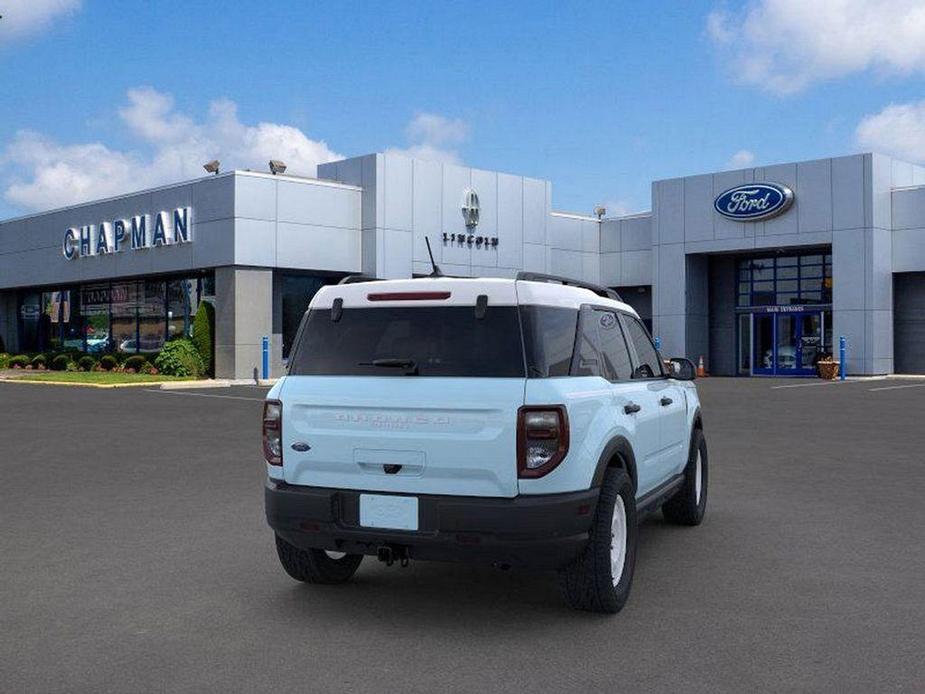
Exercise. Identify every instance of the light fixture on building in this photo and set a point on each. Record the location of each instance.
(212, 166)
(600, 211)
(277, 166)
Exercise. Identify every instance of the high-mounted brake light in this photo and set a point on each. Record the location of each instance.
(408, 296)
(542, 439)
(273, 432)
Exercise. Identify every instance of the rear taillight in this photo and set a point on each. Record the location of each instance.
(273, 432)
(542, 439)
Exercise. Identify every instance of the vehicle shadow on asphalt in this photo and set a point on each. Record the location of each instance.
(442, 595)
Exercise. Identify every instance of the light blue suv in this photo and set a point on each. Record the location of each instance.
(526, 422)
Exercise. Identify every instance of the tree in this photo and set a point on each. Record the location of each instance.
(203, 335)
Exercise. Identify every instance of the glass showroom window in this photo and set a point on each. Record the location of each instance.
(181, 305)
(151, 331)
(124, 312)
(785, 280)
(94, 310)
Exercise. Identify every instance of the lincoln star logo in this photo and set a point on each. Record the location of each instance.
(754, 202)
(470, 208)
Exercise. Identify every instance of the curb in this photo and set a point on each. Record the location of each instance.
(71, 384)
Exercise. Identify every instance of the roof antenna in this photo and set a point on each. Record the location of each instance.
(436, 271)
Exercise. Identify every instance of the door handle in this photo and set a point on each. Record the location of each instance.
(666, 401)
(632, 408)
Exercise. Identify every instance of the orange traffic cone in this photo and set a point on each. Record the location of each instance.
(701, 371)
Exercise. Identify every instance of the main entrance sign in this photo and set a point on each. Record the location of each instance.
(166, 229)
(754, 202)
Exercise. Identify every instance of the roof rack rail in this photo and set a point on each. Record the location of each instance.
(356, 279)
(605, 292)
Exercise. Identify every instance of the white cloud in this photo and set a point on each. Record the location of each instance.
(434, 137)
(45, 174)
(899, 129)
(24, 17)
(785, 45)
(741, 159)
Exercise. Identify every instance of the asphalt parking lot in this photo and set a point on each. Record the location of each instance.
(134, 556)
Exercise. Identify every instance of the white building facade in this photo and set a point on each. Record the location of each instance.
(842, 254)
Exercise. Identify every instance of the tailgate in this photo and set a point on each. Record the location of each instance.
(454, 436)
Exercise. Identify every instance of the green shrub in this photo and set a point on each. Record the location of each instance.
(87, 363)
(179, 358)
(4, 360)
(60, 363)
(20, 360)
(109, 362)
(203, 331)
(38, 361)
(136, 361)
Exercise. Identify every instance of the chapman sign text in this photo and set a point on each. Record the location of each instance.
(141, 231)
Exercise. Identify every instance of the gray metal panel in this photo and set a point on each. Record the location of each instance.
(396, 260)
(909, 250)
(564, 232)
(213, 198)
(848, 192)
(510, 221)
(611, 235)
(908, 208)
(255, 243)
(698, 208)
(909, 322)
(427, 207)
(397, 192)
(565, 263)
(313, 247)
(669, 211)
(849, 263)
(814, 196)
(535, 211)
(637, 233)
(321, 205)
(636, 267)
(255, 197)
(535, 258)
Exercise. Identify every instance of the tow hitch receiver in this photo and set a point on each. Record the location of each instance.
(390, 555)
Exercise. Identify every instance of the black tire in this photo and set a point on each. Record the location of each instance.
(588, 582)
(685, 507)
(314, 565)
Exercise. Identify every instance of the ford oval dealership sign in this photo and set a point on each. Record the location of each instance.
(754, 202)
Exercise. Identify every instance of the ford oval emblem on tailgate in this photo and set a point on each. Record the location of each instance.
(300, 446)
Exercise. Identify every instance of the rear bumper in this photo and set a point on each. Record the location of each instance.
(543, 532)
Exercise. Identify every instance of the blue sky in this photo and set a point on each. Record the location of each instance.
(599, 98)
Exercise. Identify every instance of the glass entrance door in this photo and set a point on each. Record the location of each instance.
(786, 344)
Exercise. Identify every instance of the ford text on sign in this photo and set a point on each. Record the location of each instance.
(754, 201)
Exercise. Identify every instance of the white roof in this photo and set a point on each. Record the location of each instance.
(461, 292)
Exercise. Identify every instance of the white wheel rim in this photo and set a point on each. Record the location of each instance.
(698, 477)
(618, 540)
(335, 555)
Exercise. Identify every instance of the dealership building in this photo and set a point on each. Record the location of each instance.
(757, 270)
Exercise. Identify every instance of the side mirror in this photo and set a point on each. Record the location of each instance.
(681, 369)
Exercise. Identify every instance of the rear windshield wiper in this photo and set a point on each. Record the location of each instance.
(395, 363)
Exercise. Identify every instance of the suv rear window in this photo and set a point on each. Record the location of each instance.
(439, 341)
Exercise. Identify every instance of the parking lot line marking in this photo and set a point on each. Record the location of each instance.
(907, 385)
(202, 395)
(805, 385)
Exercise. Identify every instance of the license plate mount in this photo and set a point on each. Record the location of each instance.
(388, 511)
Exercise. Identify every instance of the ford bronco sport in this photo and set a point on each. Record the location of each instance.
(526, 422)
